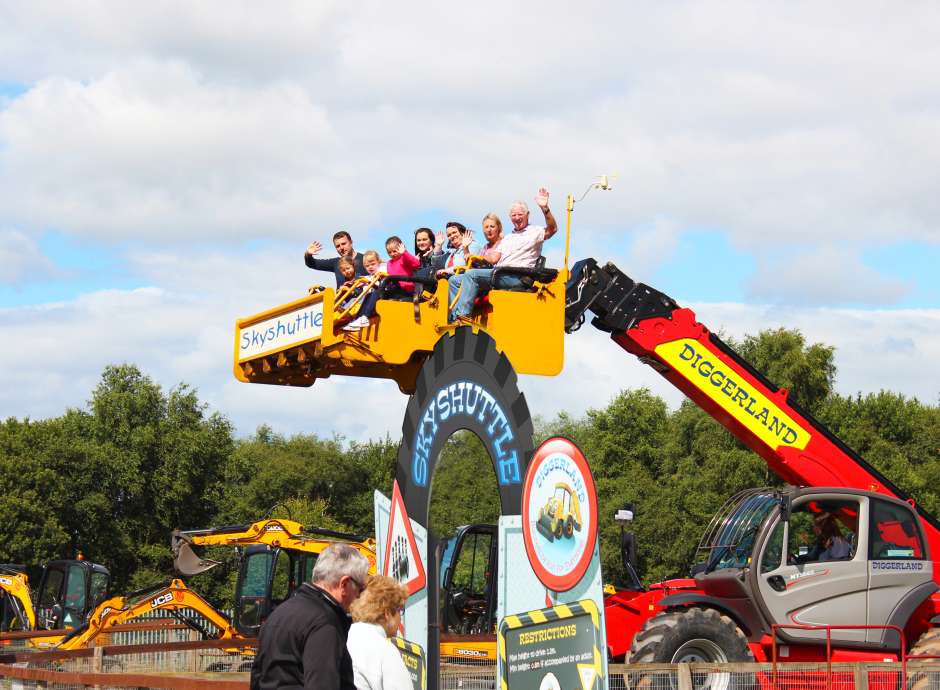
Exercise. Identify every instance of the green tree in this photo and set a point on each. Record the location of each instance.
(113, 480)
(464, 489)
(808, 372)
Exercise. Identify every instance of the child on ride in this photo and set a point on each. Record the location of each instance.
(372, 264)
(401, 262)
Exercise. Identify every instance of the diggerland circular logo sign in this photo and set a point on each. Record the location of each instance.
(559, 514)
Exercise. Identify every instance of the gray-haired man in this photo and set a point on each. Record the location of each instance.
(303, 643)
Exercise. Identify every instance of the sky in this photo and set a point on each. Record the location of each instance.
(163, 167)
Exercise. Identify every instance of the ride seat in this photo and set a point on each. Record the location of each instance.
(530, 276)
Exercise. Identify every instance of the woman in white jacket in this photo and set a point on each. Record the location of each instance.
(377, 665)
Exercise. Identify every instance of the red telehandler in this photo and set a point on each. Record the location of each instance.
(842, 548)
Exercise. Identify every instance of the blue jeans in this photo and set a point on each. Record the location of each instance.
(475, 282)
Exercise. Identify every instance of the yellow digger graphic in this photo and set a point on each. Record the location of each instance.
(561, 514)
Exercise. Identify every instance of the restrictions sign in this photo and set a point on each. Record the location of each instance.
(402, 558)
(553, 648)
(413, 657)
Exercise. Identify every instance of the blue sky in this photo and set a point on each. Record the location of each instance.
(704, 266)
(162, 170)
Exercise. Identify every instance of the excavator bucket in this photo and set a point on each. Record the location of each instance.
(185, 560)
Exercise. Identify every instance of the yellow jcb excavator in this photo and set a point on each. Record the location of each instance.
(69, 590)
(277, 556)
(174, 597)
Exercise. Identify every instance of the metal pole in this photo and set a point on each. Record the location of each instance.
(433, 652)
(569, 209)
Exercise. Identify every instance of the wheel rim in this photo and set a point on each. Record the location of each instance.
(702, 650)
(699, 650)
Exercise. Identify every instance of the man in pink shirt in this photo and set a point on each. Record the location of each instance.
(520, 248)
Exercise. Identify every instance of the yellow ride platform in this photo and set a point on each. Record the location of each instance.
(297, 343)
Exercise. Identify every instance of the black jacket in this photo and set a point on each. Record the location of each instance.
(303, 645)
(333, 265)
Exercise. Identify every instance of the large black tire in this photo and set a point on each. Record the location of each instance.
(927, 644)
(693, 635)
(500, 418)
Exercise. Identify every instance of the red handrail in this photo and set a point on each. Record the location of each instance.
(829, 629)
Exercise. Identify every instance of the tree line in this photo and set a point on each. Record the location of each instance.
(113, 479)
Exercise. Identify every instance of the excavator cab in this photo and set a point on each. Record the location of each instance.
(267, 576)
(68, 592)
(275, 556)
(468, 592)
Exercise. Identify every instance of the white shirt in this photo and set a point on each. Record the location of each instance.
(522, 248)
(377, 665)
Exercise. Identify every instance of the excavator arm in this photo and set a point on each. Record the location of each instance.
(284, 534)
(653, 327)
(174, 597)
(14, 587)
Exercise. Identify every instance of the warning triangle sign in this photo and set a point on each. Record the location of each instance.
(588, 674)
(402, 560)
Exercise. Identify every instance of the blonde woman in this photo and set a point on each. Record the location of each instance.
(377, 665)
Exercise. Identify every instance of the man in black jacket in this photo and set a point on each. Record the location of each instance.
(303, 643)
(342, 241)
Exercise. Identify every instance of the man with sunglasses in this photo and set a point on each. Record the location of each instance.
(303, 643)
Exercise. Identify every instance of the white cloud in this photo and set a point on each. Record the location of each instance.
(829, 275)
(21, 259)
(224, 121)
(151, 151)
(178, 131)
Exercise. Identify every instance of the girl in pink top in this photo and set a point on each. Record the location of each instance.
(401, 262)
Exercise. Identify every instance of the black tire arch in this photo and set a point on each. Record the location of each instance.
(465, 384)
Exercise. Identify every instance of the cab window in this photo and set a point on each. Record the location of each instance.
(257, 570)
(823, 531)
(52, 589)
(773, 553)
(99, 588)
(304, 568)
(470, 571)
(250, 605)
(894, 533)
(75, 590)
(280, 586)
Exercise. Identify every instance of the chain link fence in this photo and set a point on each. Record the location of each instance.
(461, 673)
(211, 666)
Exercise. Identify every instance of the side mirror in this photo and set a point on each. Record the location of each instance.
(447, 574)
